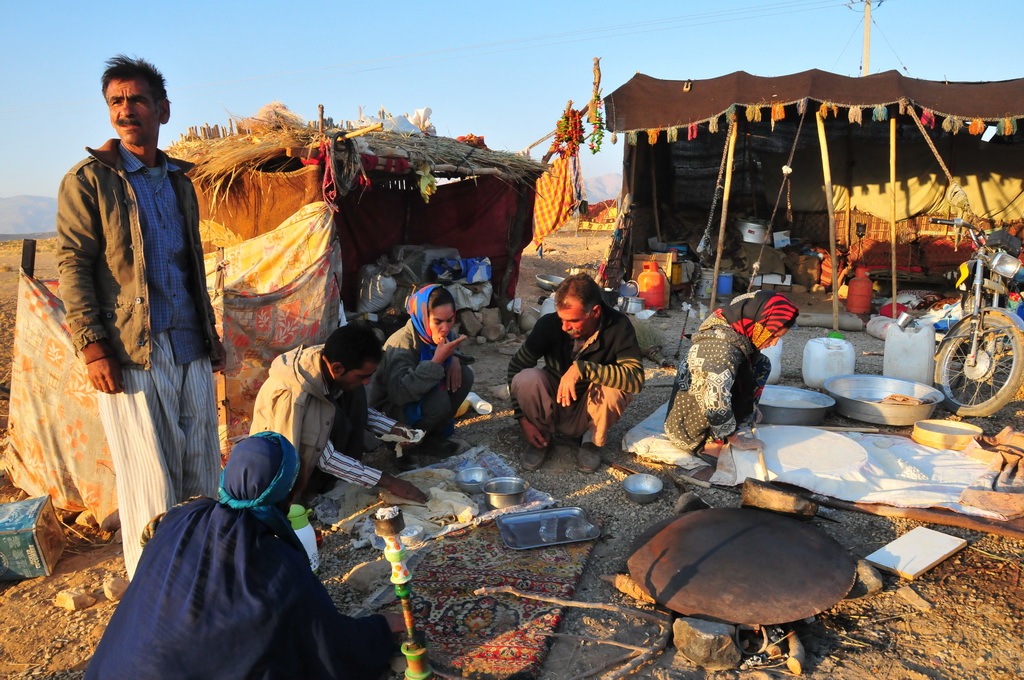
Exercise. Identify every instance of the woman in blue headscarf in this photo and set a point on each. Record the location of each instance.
(224, 591)
(421, 382)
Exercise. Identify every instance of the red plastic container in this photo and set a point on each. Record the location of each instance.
(653, 286)
(858, 296)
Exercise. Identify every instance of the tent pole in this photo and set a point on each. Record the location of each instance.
(892, 210)
(826, 171)
(733, 130)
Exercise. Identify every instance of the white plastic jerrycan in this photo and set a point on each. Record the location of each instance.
(825, 358)
(910, 353)
(774, 353)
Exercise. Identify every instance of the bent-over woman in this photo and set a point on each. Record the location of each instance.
(224, 591)
(421, 381)
(719, 383)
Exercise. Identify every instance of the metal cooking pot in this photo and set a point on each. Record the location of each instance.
(793, 406)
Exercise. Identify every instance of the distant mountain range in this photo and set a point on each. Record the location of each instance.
(28, 216)
(603, 187)
(35, 216)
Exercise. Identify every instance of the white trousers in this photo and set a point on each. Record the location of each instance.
(162, 435)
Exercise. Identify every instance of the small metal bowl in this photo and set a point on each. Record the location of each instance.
(549, 282)
(642, 488)
(504, 492)
(471, 479)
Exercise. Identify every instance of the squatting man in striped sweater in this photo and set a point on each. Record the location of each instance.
(592, 369)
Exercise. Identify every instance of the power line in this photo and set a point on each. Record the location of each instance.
(746, 13)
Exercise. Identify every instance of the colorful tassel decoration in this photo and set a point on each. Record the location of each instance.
(928, 118)
(856, 115)
(615, 138)
(976, 127)
(880, 113)
(801, 106)
(730, 113)
(691, 132)
(652, 137)
(672, 134)
(952, 124)
(823, 110)
(713, 125)
(1009, 126)
(631, 137)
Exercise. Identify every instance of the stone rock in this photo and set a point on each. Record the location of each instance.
(114, 587)
(868, 583)
(689, 501)
(73, 600)
(86, 519)
(706, 643)
(368, 576)
(470, 322)
(480, 340)
(493, 332)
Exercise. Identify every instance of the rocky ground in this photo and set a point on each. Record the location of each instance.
(969, 624)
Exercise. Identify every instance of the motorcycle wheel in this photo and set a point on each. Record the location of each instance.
(990, 384)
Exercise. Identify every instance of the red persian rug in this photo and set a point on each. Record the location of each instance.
(491, 637)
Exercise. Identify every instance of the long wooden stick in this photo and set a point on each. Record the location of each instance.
(587, 638)
(655, 649)
(600, 669)
(826, 171)
(569, 603)
(726, 188)
(892, 209)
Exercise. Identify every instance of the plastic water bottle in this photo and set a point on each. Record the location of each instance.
(299, 517)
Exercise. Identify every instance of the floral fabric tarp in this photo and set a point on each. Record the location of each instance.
(270, 294)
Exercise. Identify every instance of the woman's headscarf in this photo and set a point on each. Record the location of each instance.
(418, 308)
(259, 475)
(759, 316)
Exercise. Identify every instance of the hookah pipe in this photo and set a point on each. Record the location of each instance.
(388, 524)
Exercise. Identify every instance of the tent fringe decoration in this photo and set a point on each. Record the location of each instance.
(753, 114)
(976, 127)
(778, 113)
(631, 137)
(691, 132)
(856, 115)
(928, 118)
(801, 106)
(1009, 126)
(652, 137)
(713, 125)
(880, 113)
(730, 113)
(672, 134)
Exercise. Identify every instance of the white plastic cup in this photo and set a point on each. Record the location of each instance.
(479, 405)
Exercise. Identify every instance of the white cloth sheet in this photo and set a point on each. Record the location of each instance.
(856, 467)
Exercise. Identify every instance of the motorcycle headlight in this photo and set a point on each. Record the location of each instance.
(1005, 265)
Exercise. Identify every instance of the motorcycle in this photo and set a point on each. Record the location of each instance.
(979, 364)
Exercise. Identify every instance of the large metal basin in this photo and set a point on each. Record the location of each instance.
(857, 397)
(793, 406)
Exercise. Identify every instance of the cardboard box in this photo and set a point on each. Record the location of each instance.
(669, 263)
(31, 539)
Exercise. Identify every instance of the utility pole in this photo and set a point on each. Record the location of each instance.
(866, 59)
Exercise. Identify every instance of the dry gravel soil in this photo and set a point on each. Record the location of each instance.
(973, 628)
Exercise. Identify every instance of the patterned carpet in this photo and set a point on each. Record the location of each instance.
(493, 637)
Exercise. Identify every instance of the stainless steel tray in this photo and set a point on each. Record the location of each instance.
(523, 530)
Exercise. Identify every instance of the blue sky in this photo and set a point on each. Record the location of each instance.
(501, 70)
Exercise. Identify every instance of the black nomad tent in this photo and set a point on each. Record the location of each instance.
(864, 161)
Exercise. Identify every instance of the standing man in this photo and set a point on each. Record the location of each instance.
(591, 371)
(134, 288)
(316, 397)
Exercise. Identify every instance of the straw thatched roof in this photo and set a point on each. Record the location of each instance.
(223, 155)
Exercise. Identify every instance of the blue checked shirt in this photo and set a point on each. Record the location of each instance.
(165, 247)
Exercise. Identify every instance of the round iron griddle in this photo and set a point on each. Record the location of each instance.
(741, 566)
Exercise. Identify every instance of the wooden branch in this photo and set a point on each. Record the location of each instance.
(569, 603)
(640, 660)
(587, 638)
(602, 668)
